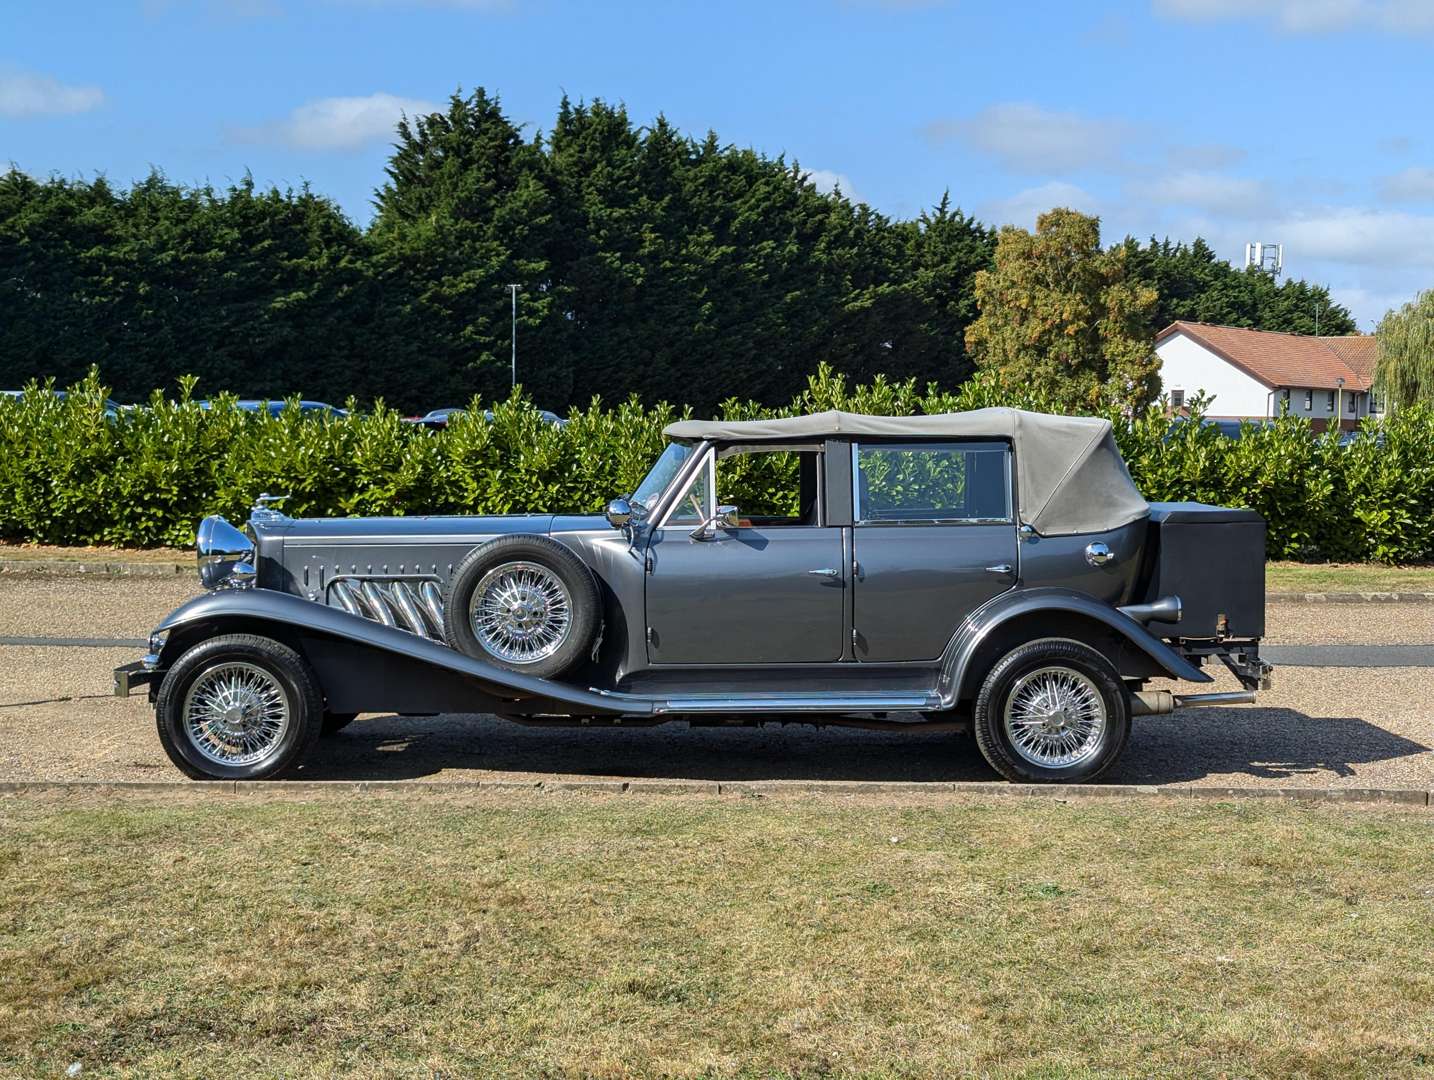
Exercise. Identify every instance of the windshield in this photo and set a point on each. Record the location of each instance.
(661, 474)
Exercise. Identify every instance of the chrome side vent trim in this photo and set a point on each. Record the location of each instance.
(375, 604)
(407, 605)
(343, 592)
(404, 601)
(433, 605)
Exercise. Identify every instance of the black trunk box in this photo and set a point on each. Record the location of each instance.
(1213, 558)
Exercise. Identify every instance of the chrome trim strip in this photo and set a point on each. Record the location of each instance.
(795, 703)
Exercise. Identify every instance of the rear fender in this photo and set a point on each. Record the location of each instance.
(966, 660)
(364, 666)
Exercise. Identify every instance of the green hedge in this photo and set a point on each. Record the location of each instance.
(71, 475)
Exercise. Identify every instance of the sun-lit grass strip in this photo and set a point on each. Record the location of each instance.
(653, 936)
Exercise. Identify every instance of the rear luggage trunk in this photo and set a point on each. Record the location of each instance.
(1213, 559)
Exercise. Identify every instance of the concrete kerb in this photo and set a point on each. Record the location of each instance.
(325, 789)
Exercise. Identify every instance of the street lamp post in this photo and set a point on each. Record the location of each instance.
(514, 290)
(1339, 403)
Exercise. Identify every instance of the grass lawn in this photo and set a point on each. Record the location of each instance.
(1347, 577)
(645, 936)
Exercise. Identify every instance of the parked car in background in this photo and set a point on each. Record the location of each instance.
(434, 420)
(113, 408)
(439, 419)
(274, 408)
(994, 571)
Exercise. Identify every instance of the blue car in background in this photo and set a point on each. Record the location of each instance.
(274, 408)
(112, 408)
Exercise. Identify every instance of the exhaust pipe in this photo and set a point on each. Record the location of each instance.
(1166, 609)
(1161, 702)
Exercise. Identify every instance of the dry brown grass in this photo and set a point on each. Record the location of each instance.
(646, 936)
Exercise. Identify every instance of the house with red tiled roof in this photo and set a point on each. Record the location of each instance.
(1254, 374)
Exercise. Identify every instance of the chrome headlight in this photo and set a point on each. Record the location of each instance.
(226, 555)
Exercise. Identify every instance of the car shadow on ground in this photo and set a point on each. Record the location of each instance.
(1238, 744)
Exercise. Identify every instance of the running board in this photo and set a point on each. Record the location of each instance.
(796, 703)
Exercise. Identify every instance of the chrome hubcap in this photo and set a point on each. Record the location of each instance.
(1055, 717)
(236, 713)
(521, 612)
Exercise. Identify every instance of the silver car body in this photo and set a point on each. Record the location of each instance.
(838, 614)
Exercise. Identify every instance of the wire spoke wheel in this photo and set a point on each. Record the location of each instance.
(236, 713)
(521, 612)
(1055, 717)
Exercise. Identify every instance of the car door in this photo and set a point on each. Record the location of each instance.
(934, 537)
(765, 592)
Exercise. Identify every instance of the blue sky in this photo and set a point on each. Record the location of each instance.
(1299, 121)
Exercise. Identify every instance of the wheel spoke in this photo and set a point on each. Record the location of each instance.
(521, 612)
(236, 713)
(1055, 717)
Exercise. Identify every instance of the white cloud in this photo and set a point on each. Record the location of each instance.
(1207, 191)
(1310, 16)
(1025, 206)
(1409, 185)
(1379, 238)
(827, 181)
(25, 93)
(1029, 138)
(338, 123)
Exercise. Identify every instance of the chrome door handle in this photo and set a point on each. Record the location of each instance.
(1001, 568)
(827, 571)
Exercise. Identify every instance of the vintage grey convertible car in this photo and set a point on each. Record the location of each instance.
(996, 570)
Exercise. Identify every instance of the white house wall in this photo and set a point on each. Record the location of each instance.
(1186, 365)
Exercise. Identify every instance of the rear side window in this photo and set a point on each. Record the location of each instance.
(923, 483)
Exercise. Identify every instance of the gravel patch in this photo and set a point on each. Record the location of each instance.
(89, 607)
(1342, 727)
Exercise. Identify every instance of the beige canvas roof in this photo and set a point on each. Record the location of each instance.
(1070, 477)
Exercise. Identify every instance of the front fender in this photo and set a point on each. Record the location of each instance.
(357, 651)
(958, 680)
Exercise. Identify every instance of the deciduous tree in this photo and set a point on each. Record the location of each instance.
(1062, 316)
(1404, 372)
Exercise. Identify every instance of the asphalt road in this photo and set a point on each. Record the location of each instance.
(1346, 725)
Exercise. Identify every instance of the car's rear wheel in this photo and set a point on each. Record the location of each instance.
(1052, 711)
(238, 707)
(525, 603)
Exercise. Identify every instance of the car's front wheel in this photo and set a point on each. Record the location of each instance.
(1052, 711)
(238, 707)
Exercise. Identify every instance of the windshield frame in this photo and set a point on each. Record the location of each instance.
(677, 457)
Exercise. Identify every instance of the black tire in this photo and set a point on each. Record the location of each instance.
(335, 722)
(290, 674)
(585, 605)
(1091, 670)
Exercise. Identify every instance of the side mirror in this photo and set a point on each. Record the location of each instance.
(726, 517)
(619, 513)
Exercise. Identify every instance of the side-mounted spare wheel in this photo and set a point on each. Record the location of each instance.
(1052, 711)
(525, 603)
(238, 707)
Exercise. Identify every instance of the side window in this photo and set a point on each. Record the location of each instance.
(932, 482)
(770, 487)
(694, 506)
